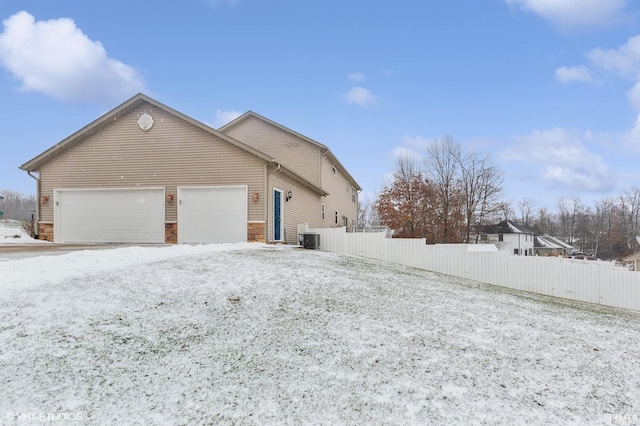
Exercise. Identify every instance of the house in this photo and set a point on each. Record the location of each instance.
(307, 158)
(146, 173)
(632, 261)
(546, 245)
(509, 236)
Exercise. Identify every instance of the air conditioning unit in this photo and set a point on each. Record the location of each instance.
(311, 241)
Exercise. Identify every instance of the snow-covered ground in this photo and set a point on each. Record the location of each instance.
(12, 232)
(257, 334)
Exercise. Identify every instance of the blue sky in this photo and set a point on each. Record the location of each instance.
(549, 88)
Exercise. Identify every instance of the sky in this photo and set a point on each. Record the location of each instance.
(550, 89)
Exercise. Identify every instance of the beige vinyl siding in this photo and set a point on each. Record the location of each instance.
(288, 149)
(173, 153)
(303, 206)
(338, 199)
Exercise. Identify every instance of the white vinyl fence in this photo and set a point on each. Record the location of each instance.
(583, 280)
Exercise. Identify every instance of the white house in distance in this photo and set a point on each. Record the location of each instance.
(509, 236)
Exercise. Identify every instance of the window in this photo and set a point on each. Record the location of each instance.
(348, 187)
(322, 212)
(333, 170)
(516, 251)
(345, 221)
(336, 218)
(353, 194)
(500, 237)
(484, 237)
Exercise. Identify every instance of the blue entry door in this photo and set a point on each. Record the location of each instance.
(277, 215)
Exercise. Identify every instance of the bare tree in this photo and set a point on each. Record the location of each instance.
(481, 186)
(601, 220)
(630, 214)
(526, 207)
(367, 214)
(446, 202)
(568, 210)
(17, 206)
(443, 166)
(545, 222)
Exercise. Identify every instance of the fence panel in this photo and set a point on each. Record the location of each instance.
(581, 280)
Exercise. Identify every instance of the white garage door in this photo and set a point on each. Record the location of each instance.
(109, 215)
(213, 214)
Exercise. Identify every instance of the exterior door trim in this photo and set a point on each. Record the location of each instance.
(278, 224)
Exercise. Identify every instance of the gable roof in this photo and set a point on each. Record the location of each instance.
(507, 227)
(547, 241)
(323, 148)
(35, 163)
(632, 257)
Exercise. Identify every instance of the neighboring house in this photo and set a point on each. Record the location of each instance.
(145, 173)
(632, 261)
(546, 245)
(509, 236)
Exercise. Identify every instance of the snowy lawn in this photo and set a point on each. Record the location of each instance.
(256, 334)
(12, 232)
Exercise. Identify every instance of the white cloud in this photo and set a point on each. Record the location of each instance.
(356, 77)
(404, 152)
(360, 96)
(624, 61)
(574, 13)
(570, 74)
(56, 58)
(416, 143)
(634, 96)
(224, 117)
(562, 160)
(631, 138)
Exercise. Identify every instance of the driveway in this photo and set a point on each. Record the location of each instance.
(23, 251)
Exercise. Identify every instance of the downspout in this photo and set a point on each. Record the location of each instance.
(37, 218)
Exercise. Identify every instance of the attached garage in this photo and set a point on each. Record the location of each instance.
(109, 215)
(146, 173)
(212, 214)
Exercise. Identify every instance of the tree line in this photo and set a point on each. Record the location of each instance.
(16, 205)
(452, 194)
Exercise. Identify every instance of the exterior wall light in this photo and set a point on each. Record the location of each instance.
(289, 195)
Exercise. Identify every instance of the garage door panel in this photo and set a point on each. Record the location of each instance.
(212, 214)
(110, 216)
